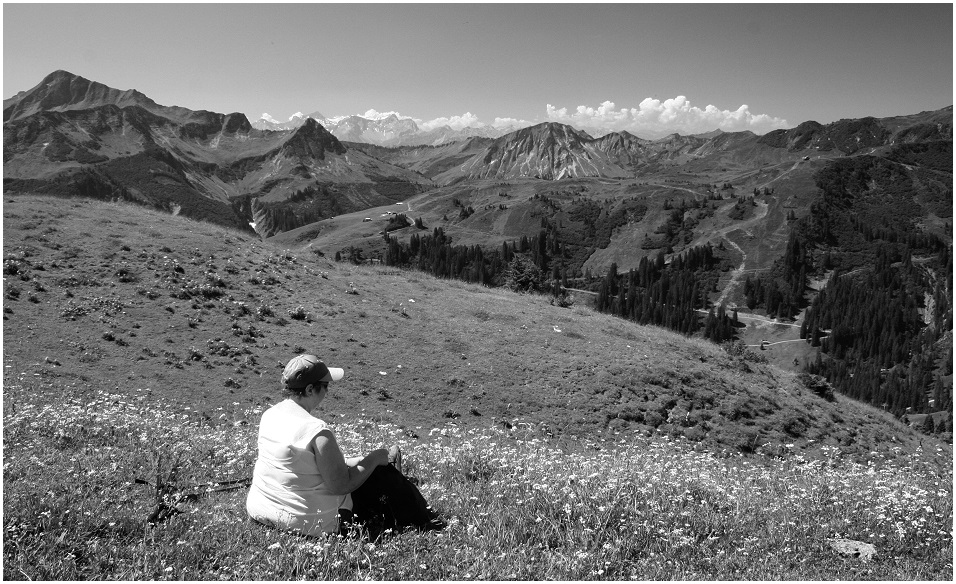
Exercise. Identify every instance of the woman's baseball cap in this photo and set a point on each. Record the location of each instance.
(305, 370)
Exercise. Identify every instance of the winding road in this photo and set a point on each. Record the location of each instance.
(739, 271)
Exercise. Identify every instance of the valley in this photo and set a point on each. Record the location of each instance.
(771, 212)
(203, 318)
(626, 292)
(731, 346)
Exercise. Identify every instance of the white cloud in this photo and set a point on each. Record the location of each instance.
(469, 120)
(466, 120)
(376, 115)
(268, 118)
(510, 122)
(654, 118)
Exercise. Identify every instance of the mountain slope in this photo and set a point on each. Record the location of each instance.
(553, 151)
(386, 130)
(71, 135)
(853, 136)
(207, 317)
(547, 151)
(62, 91)
(429, 161)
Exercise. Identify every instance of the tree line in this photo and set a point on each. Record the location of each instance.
(883, 321)
(669, 295)
(657, 293)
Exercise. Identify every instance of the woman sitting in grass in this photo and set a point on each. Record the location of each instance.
(302, 482)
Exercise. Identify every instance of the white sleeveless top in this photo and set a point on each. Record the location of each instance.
(287, 490)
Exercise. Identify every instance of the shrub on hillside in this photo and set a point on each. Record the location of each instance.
(742, 438)
(629, 413)
(817, 385)
(12, 266)
(653, 419)
(562, 298)
(298, 313)
(736, 408)
(125, 274)
(694, 433)
(738, 349)
(13, 292)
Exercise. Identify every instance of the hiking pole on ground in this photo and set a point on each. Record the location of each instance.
(169, 498)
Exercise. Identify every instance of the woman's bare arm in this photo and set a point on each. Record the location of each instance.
(341, 477)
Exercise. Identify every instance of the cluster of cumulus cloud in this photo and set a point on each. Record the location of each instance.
(652, 118)
(470, 120)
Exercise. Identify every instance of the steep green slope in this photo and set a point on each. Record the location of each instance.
(105, 295)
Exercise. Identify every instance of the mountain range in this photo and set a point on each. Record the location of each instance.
(72, 135)
(383, 129)
(803, 227)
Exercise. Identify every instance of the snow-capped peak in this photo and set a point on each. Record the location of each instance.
(392, 128)
(376, 115)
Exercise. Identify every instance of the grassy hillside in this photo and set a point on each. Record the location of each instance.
(109, 296)
(134, 341)
(517, 506)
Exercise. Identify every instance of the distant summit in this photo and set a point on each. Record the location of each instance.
(62, 91)
(852, 136)
(267, 122)
(69, 135)
(388, 129)
(553, 151)
(312, 141)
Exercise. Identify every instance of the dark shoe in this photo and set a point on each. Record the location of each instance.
(436, 524)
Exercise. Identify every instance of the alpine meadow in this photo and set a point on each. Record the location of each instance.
(718, 355)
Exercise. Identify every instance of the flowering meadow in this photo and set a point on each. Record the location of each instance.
(520, 505)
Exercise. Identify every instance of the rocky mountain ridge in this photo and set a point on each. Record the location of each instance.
(389, 130)
(70, 135)
(554, 151)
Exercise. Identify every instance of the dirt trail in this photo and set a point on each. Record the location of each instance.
(667, 186)
(781, 175)
(734, 276)
(780, 342)
(738, 272)
(755, 318)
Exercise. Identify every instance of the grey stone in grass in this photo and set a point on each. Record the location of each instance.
(853, 549)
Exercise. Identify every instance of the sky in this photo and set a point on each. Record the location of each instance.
(650, 69)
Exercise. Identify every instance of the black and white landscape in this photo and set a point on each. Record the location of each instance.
(649, 340)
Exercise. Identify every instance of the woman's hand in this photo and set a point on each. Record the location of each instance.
(377, 457)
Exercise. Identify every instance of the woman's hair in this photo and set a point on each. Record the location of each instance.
(292, 391)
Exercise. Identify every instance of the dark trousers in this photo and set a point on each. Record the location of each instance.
(388, 500)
